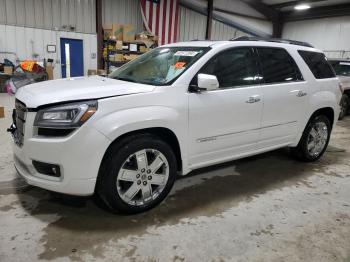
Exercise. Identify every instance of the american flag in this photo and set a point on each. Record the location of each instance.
(161, 18)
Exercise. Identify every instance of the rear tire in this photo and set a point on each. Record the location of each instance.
(344, 106)
(314, 140)
(137, 174)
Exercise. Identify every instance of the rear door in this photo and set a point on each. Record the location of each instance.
(285, 92)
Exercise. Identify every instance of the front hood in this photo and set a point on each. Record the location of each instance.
(81, 88)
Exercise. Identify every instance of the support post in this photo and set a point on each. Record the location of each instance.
(277, 26)
(209, 19)
(99, 32)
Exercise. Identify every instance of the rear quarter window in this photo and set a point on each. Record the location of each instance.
(318, 64)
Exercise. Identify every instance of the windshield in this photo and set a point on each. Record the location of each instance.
(160, 66)
(341, 68)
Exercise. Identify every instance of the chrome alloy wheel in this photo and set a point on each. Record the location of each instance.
(142, 177)
(317, 139)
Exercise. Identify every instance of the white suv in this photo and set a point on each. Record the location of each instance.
(175, 109)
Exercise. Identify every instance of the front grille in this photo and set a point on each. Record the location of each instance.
(20, 120)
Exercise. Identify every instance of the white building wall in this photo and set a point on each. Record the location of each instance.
(220, 31)
(192, 25)
(123, 12)
(25, 42)
(50, 14)
(328, 34)
(256, 25)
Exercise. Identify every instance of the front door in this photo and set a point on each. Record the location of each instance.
(225, 123)
(284, 92)
(72, 57)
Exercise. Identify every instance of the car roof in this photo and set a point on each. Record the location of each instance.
(222, 44)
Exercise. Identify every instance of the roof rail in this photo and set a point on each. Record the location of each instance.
(275, 40)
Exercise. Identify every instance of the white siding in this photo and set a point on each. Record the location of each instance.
(328, 34)
(123, 12)
(192, 25)
(26, 41)
(50, 14)
(221, 31)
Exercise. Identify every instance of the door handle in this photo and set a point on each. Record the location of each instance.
(301, 93)
(253, 99)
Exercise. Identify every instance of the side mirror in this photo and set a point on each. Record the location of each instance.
(207, 82)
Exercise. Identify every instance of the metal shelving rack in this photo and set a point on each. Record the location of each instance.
(106, 60)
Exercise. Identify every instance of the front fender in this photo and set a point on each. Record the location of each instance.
(121, 122)
(118, 123)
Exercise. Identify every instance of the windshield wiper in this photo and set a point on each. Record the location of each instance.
(125, 79)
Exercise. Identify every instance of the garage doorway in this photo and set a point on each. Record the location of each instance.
(72, 57)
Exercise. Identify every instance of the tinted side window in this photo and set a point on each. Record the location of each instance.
(278, 66)
(318, 64)
(235, 67)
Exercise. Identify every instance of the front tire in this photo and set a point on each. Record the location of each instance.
(314, 140)
(137, 174)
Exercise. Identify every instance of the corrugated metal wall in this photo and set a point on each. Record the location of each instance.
(26, 41)
(329, 34)
(221, 31)
(50, 14)
(62, 14)
(123, 12)
(192, 25)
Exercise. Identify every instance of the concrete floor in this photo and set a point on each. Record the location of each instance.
(264, 208)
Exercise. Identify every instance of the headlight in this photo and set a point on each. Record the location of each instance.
(66, 116)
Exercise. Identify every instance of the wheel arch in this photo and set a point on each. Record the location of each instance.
(326, 111)
(163, 133)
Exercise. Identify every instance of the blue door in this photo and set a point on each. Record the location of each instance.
(72, 58)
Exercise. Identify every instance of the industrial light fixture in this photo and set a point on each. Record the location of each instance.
(302, 7)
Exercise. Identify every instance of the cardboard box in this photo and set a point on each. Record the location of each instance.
(144, 49)
(8, 70)
(117, 32)
(49, 71)
(101, 72)
(118, 57)
(2, 112)
(92, 72)
(119, 45)
(128, 33)
(107, 31)
(155, 39)
(148, 43)
(147, 36)
(130, 57)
